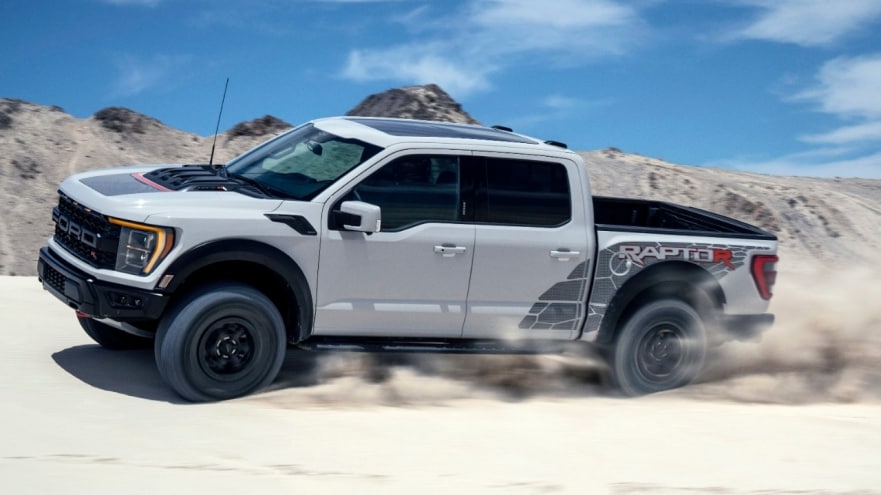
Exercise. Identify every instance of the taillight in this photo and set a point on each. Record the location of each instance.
(764, 270)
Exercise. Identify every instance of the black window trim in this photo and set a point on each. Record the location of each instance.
(481, 189)
(473, 189)
(464, 200)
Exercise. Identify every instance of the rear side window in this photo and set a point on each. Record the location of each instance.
(521, 192)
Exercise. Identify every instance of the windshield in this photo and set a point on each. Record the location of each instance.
(302, 163)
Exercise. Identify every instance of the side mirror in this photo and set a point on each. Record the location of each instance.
(359, 216)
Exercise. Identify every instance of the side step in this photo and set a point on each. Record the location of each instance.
(449, 346)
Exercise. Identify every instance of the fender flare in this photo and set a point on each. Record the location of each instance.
(203, 256)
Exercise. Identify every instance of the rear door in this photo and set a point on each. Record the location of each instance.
(532, 254)
(411, 278)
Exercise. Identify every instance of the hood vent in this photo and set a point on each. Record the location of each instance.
(196, 178)
(190, 178)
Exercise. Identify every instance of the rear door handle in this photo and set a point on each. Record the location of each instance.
(449, 250)
(564, 254)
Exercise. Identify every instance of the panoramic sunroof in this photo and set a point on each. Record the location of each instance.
(418, 128)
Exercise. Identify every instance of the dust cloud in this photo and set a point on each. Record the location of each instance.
(824, 347)
(342, 379)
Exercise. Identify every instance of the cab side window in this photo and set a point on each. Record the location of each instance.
(412, 190)
(527, 193)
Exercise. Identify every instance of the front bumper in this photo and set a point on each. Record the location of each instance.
(746, 327)
(95, 298)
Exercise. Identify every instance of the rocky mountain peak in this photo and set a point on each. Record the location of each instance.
(428, 102)
(124, 120)
(267, 125)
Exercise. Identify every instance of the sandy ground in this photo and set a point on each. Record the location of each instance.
(79, 419)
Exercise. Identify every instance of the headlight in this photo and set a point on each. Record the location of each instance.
(141, 247)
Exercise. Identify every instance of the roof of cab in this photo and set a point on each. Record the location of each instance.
(386, 131)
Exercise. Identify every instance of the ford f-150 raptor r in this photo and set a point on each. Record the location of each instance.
(397, 235)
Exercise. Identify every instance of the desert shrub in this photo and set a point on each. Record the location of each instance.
(27, 167)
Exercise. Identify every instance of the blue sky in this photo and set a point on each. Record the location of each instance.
(777, 86)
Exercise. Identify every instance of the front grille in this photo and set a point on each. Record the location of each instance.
(85, 233)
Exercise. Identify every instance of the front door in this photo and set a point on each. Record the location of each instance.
(411, 278)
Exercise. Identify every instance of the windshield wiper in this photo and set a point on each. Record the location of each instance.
(267, 190)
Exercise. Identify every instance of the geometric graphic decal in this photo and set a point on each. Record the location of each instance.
(562, 306)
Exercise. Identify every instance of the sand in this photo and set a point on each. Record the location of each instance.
(773, 417)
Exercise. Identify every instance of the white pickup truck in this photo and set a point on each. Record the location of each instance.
(388, 235)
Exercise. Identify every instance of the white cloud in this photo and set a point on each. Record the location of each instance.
(416, 64)
(848, 89)
(569, 104)
(472, 45)
(865, 132)
(357, 1)
(134, 76)
(848, 86)
(809, 22)
(559, 102)
(568, 32)
(551, 14)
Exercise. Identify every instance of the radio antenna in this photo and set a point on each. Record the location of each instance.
(217, 127)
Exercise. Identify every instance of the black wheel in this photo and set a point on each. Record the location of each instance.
(225, 341)
(660, 347)
(112, 338)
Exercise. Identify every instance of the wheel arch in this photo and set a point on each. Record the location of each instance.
(672, 279)
(254, 263)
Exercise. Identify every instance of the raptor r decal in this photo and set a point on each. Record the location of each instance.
(639, 253)
(620, 262)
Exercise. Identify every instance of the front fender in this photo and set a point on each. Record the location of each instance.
(261, 264)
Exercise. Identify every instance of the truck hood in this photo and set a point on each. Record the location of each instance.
(126, 192)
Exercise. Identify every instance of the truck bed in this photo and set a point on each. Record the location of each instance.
(639, 215)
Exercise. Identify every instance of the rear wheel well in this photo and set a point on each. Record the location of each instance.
(671, 280)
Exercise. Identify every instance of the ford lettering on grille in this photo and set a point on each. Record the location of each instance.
(76, 231)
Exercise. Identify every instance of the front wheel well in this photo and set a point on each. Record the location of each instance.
(255, 275)
(257, 265)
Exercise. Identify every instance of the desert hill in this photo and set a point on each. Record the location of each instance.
(428, 102)
(41, 145)
(827, 220)
(816, 219)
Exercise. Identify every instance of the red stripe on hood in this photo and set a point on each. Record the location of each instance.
(140, 178)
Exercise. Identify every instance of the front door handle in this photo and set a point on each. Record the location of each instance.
(564, 254)
(449, 250)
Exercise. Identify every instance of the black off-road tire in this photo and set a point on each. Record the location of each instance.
(661, 346)
(223, 341)
(112, 338)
